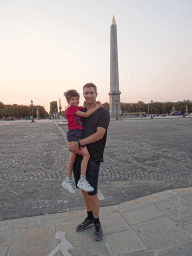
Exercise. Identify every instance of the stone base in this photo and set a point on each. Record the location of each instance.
(114, 108)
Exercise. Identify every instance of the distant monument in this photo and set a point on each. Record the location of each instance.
(114, 94)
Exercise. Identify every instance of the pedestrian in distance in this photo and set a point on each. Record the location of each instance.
(94, 137)
(75, 126)
(121, 116)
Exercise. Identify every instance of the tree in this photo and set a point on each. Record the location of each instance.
(2, 105)
(42, 112)
(106, 105)
(21, 110)
(53, 106)
(1, 109)
(63, 113)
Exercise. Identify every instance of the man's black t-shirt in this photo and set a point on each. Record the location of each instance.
(100, 118)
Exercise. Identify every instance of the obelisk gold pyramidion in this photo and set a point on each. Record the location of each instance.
(114, 94)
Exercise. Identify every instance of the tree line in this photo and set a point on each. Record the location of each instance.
(23, 111)
(156, 107)
(19, 111)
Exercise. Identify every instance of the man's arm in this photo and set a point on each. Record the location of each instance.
(98, 135)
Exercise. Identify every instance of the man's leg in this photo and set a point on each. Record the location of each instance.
(91, 203)
(89, 221)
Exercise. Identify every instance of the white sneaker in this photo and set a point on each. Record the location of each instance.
(68, 186)
(84, 185)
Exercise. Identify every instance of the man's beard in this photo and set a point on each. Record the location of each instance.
(90, 103)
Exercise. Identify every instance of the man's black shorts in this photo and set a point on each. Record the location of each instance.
(92, 173)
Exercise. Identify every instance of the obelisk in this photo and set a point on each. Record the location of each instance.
(114, 94)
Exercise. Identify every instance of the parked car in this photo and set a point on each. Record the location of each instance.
(176, 113)
(190, 114)
(11, 118)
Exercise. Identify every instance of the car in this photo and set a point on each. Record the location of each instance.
(176, 113)
(11, 118)
(190, 114)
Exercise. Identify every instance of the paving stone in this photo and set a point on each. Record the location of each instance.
(83, 239)
(76, 252)
(141, 253)
(187, 227)
(161, 233)
(177, 208)
(141, 214)
(4, 250)
(125, 242)
(109, 221)
(182, 250)
(30, 251)
(5, 237)
(33, 241)
(144, 201)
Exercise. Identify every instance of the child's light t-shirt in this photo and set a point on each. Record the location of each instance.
(74, 122)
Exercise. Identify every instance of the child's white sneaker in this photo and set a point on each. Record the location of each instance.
(68, 186)
(84, 185)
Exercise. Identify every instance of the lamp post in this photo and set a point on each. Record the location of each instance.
(148, 110)
(32, 111)
(117, 118)
(151, 109)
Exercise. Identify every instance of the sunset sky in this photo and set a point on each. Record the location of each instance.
(50, 46)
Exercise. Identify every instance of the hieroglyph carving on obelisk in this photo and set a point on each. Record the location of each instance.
(114, 94)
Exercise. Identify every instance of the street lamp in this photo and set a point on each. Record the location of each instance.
(148, 110)
(117, 118)
(32, 111)
(151, 109)
(60, 108)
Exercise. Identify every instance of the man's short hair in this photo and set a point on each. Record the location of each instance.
(71, 93)
(90, 85)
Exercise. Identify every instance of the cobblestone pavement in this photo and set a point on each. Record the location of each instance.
(141, 157)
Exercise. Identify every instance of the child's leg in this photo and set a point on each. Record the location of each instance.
(83, 183)
(72, 157)
(86, 156)
(67, 183)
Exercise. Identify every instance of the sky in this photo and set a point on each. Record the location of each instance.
(50, 46)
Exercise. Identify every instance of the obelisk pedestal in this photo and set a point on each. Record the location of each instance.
(114, 94)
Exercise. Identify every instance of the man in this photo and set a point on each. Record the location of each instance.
(94, 137)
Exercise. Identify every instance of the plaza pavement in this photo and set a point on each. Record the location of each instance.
(142, 158)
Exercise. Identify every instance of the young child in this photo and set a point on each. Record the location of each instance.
(75, 127)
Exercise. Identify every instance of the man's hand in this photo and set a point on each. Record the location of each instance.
(74, 147)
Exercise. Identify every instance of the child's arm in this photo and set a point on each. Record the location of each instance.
(89, 112)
